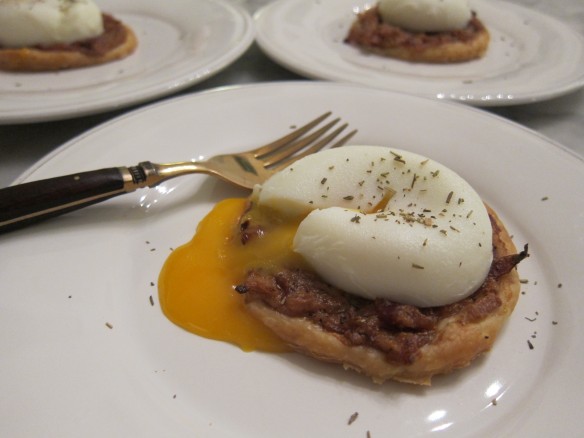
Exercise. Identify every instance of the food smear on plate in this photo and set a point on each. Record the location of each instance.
(432, 31)
(46, 35)
(379, 259)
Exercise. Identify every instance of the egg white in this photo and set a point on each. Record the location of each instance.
(25, 23)
(426, 15)
(429, 246)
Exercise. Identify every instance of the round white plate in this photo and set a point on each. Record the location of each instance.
(178, 46)
(66, 373)
(531, 56)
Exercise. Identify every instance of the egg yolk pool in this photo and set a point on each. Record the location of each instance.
(197, 282)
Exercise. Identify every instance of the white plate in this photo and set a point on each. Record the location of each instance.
(65, 373)
(531, 56)
(178, 46)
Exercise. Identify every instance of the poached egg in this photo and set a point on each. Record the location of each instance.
(385, 223)
(426, 15)
(25, 23)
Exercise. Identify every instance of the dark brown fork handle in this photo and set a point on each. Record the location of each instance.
(31, 202)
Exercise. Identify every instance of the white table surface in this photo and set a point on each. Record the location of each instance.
(560, 119)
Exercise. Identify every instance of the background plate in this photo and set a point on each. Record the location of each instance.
(65, 373)
(531, 56)
(177, 46)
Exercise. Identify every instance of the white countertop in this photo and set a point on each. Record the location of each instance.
(560, 119)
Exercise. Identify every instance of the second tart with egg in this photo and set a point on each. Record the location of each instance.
(371, 34)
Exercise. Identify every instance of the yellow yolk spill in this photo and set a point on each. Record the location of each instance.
(196, 284)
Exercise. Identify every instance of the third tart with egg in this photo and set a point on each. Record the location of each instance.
(380, 337)
(50, 35)
(117, 42)
(370, 33)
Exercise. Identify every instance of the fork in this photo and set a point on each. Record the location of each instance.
(27, 203)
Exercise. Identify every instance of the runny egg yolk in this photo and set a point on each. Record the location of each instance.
(196, 284)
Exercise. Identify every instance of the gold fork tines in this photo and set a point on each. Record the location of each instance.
(287, 139)
(246, 169)
(289, 159)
